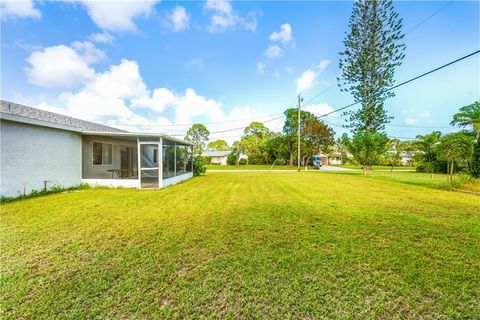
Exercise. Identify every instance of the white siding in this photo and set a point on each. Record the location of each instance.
(33, 154)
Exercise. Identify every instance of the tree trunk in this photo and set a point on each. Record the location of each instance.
(391, 172)
(451, 172)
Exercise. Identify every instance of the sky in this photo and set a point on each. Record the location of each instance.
(161, 66)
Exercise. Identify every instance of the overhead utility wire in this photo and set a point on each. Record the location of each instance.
(405, 82)
(406, 33)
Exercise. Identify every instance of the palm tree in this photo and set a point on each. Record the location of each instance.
(469, 116)
(427, 147)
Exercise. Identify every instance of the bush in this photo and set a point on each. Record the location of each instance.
(44, 192)
(198, 166)
(243, 161)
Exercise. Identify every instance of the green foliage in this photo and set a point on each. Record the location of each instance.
(198, 135)
(44, 192)
(243, 162)
(218, 145)
(290, 128)
(373, 49)
(469, 117)
(253, 143)
(277, 149)
(199, 167)
(234, 155)
(317, 138)
(454, 148)
(366, 147)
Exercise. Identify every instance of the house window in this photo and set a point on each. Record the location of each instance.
(102, 153)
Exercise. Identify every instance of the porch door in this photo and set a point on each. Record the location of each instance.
(128, 162)
(149, 165)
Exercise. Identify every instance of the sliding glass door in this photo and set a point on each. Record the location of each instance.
(149, 165)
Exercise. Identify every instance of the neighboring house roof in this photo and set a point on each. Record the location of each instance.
(20, 113)
(215, 153)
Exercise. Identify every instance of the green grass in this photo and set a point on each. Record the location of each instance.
(359, 167)
(253, 167)
(245, 245)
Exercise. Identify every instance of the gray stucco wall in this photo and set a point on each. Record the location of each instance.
(31, 154)
(89, 171)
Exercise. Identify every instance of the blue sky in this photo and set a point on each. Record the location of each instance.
(153, 66)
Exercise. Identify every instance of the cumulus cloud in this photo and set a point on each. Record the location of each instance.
(119, 16)
(410, 121)
(284, 35)
(261, 67)
(19, 10)
(178, 19)
(273, 51)
(319, 109)
(102, 37)
(63, 66)
(308, 77)
(223, 17)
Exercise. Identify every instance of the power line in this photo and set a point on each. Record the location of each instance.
(189, 124)
(406, 33)
(405, 82)
(393, 125)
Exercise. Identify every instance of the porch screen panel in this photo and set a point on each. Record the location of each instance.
(168, 155)
(189, 158)
(149, 156)
(181, 158)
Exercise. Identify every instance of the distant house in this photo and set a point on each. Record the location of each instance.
(41, 149)
(217, 157)
(220, 157)
(406, 157)
(326, 159)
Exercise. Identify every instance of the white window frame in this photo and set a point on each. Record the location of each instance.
(111, 158)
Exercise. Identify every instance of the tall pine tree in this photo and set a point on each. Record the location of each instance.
(373, 49)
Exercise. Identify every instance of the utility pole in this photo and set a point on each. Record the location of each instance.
(299, 120)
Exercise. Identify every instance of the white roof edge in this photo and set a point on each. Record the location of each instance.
(135, 134)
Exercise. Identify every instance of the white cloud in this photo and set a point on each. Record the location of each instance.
(103, 37)
(196, 62)
(179, 19)
(63, 66)
(121, 81)
(425, 114)
(407, 111)
(410, 121)
(322, 65)
(261, 67)
(118, 16)
(306, 80)
(319, 109)
(11, 9)
(158, 101)
(223, 17)
(273, 51)
(288, 69)
(284, 35)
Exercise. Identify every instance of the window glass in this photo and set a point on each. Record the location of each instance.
(107, 153)
(180, 159)
(97, 153)
(189, 155)
(168, 158)
(148, 154)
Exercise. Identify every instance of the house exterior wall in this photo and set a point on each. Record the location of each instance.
(175, 180)
(220, 160)
(89, 171)
(32, 154)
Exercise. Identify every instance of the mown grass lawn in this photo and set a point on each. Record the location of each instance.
(245, 245)
(252, 167)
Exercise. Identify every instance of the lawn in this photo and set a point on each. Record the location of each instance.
(374, 167)
(253, 167)
(245, 245)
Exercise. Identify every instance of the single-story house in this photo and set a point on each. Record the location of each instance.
(220, 157)
(326, 159)
(41, 149)
(217, 157)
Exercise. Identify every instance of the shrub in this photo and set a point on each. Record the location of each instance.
(243, 161)
(198, 166)
(43, 192)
